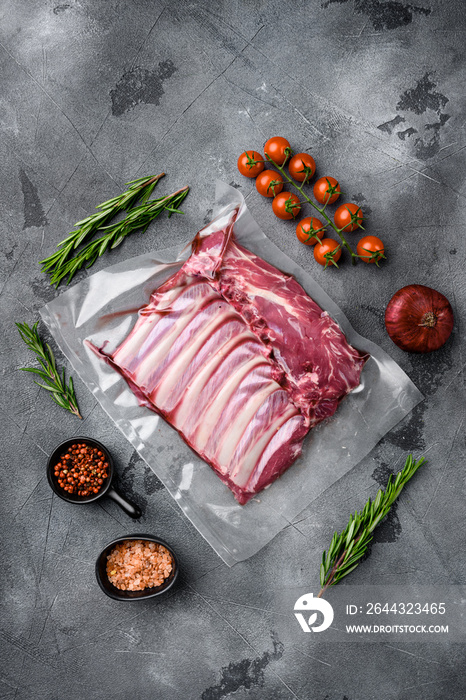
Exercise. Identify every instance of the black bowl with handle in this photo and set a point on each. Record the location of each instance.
(107, 488)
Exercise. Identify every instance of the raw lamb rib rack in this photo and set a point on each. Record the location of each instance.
(239, 359)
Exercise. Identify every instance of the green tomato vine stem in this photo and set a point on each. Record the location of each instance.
(322, 212)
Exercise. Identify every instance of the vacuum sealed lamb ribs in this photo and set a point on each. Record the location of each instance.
(237, 357)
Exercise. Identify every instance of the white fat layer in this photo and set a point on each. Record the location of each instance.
(235, 431)
(187, 414)
(209, 420)
(179, 365)
(245, 466)
(281, 437)
(158, 353)
(134, 343)
(135, 340)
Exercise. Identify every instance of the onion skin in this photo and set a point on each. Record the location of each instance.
(419, 319)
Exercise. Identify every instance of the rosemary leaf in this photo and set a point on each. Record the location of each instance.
(137, 218)
(139, 189)
(62, 394)
(347, 548)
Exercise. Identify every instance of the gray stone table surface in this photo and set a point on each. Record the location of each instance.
(94, 94)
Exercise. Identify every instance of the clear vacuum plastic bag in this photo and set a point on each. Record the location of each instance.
(103, 309)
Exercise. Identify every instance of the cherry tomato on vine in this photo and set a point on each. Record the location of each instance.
(370, 249)
(309, 230)
(250, 163)
(286, 205)
(326, 190)
(269, 183)
(348, 217)
(278, 149)
(302, 167)
(327, 252)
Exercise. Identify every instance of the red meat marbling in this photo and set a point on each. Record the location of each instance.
(239, 359)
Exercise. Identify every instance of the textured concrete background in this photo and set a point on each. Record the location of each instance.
(97, 93)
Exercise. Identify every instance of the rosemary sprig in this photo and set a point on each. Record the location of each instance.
(140, 189)
(62, 394)
(137, 218)
(347, 548)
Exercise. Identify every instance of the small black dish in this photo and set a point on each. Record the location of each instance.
(117, 594)
(107, 489)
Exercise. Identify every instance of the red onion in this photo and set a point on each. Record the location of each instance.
(418, 318)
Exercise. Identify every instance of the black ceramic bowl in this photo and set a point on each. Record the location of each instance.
(117, 594)
(107, 488)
